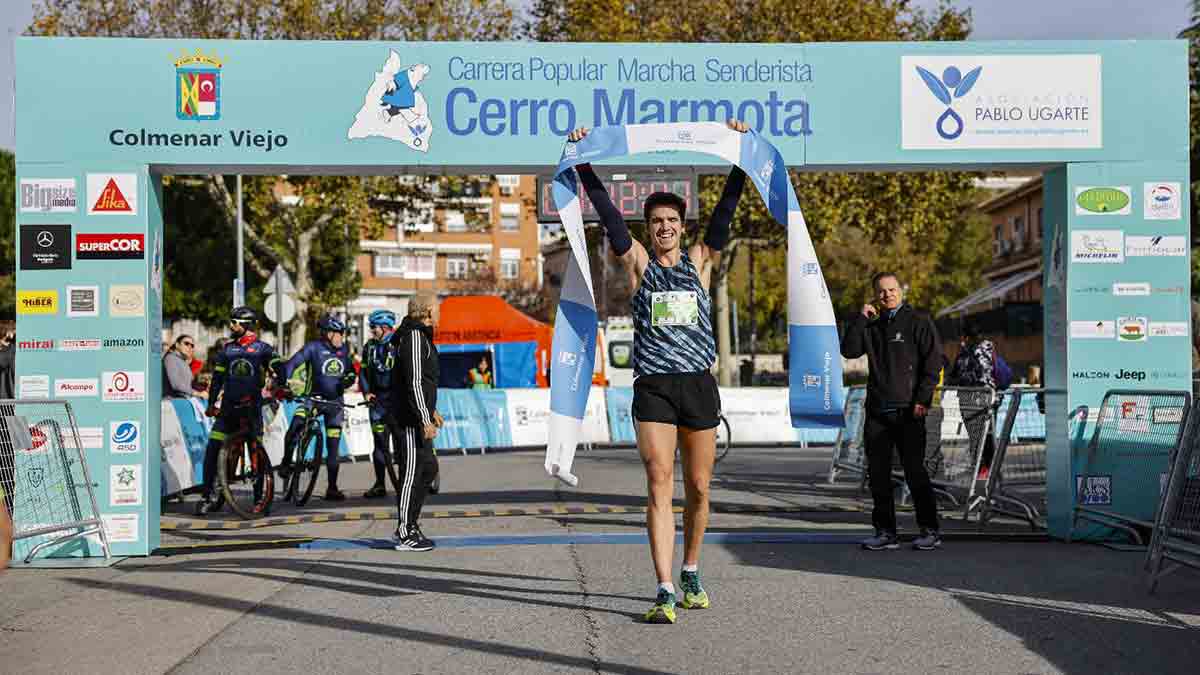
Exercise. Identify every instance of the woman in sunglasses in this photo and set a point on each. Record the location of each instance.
(177, 368)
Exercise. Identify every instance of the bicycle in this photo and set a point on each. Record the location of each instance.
(723, 448)
(244, 472)
(303, 476)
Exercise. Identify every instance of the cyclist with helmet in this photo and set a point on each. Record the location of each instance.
(330, 373)
(375, 381)
(240, 370)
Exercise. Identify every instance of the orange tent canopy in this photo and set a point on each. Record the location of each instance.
(473, 319)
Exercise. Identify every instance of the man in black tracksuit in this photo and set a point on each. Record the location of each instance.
(904, 356)
(414, 386)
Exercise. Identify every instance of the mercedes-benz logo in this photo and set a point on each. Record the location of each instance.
(45, 239)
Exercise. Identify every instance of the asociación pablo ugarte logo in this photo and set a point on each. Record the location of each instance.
(198, 86)
(950, 86)
(394, 106)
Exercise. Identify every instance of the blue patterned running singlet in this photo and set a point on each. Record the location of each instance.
(672, 321)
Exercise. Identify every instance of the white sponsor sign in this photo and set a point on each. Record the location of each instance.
(1133, 328)
(48, 195)
(92, 438)
(1162, 201)
(1133, 415)
(1083, 330)
(1169, 329)
(76, 387)
(1167, 415)
(112, 194)
(124, 385)
(33, 386)
(1125, 288)
(125, 485)
(1006, 102)
(79, 345)
(125, 436)
(1098, 246)
(757, 415)
(529, 416)
(1156, 246)
(121, 528)
(127, 300)
(176, 467)
(83, 301)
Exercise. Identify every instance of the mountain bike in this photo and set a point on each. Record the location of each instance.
(244, 472)
(309, 453)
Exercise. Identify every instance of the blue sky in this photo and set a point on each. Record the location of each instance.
(994, 20)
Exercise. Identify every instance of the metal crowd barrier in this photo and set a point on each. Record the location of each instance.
(1129, 458)
(849, 453)
(1016, 484)
(1175, 541)
(44, 477)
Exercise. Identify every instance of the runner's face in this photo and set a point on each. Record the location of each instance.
(377, 332)
(335, 339)
(888, 292)
(236, 329)
(665, 228)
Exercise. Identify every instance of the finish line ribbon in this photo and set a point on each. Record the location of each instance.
(816, 394)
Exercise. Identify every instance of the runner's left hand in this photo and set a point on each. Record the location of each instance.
(437, 420)
(738, 125)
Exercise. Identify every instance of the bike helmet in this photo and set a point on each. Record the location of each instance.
(331, 324)
(382, 317)
(243, 315)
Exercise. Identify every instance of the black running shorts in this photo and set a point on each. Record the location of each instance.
(689, 400)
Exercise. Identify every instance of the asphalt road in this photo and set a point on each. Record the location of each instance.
(791, 593)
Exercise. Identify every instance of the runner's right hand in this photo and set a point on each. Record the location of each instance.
(578, 135)
(869, 311)
(212, 411)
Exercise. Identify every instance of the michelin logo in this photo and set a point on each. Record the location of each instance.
(394, 107)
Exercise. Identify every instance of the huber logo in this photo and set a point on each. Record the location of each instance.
(37, 302)
(112, 194)
(198, 87)
(394, 106)
(951, 85)
(110, 246)
(1091, 201)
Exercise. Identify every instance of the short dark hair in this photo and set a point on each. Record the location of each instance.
(880, 276)
(665, 199)
(971, 329)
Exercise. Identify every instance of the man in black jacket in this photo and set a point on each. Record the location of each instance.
(414, 382)
(904, 355)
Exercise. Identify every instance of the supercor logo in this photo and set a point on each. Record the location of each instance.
(110, 246)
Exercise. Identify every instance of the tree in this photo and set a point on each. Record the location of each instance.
(914, 223)
(311, 225)
(8, 233)
(1192, 34)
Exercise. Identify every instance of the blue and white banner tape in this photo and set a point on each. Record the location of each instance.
(815, 370)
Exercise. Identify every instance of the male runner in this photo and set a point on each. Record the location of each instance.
(240, 371)
(330, 373)
(675, 398)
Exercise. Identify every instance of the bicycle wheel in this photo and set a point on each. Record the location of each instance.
(724, 446)
(306, 468)
(246, 478)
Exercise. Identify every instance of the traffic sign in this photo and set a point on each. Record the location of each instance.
(279, 282)
(279, 303)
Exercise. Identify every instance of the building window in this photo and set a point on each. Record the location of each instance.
(1019, 231)
(456, 267)
(456, 221)
(390, 265)
(510, 269)
(1039, 224)
(510, 217)
(508, 183)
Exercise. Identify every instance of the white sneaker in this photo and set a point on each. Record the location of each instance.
(882, 541)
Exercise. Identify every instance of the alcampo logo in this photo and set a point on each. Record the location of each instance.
(198, 87)
(950, 86)
(1095, 200)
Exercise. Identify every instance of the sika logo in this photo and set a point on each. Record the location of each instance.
(198, 87)
(112, 194)
(110, 246)
(950, 86)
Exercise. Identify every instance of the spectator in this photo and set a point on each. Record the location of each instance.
(177, 368)
(975, 366)
(8, 362)
(480, 377)
(904, 355)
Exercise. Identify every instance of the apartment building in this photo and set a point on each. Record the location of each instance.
(1009, 304)
(454, 251)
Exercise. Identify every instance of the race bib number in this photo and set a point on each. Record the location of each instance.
(674, 308)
